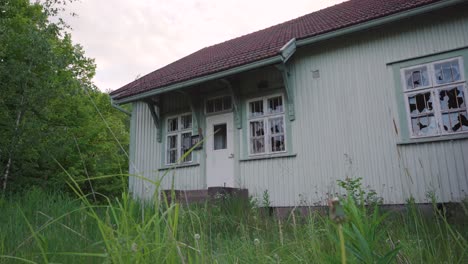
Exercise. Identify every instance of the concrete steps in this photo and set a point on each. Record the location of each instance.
(201, 196)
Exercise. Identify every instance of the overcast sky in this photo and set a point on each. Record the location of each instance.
(130, 38)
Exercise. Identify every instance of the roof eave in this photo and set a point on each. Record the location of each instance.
(198, 80)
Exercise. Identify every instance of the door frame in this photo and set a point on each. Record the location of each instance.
(225, 117)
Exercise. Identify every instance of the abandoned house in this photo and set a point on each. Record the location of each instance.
(366, 88)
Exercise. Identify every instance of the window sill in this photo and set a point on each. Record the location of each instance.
(433, 139)
(166, 167)
(269, 156)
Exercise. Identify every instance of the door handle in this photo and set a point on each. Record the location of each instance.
(231, 156)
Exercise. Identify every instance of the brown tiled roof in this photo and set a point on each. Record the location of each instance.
(265, 43)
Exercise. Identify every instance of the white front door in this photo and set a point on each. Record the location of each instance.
(220, 150)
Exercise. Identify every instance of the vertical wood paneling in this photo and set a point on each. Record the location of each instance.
(343, 127)
(344, 121)
(148, 158)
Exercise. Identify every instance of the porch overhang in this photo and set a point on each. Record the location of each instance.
(188, 83)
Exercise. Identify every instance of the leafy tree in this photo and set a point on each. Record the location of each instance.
(51, 114)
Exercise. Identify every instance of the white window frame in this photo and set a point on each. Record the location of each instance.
(218, 112)
(266, 124)
(434, 89)
(178, 133)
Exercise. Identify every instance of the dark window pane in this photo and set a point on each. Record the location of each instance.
(218, 105)
(220, 137)
(186, 122)
(209, 106)
(227, 102)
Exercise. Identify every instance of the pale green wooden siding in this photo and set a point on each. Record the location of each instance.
(344, 121)
(147, 157)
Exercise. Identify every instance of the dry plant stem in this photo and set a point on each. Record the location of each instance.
(342, 245)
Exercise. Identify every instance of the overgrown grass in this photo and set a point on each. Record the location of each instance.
(52, 227)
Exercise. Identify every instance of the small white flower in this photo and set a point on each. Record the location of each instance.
(134, 247)
(197, 236)
(256, 242)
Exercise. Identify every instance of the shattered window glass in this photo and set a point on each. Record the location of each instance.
(440, 107)
(452, 98)
(453, 108)
(275, 105)
(423, 122)
(185, 144)
(420, 103)
(257, 137)
(424, 125)
(417, 78)
(277, 134)
(267, 125)
(256, 108)
(172, 149)
(172, 124)
(455, 122)
(186, 122)
(447, 72)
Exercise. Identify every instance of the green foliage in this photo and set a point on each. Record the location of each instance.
(362, 196)
(49, 106)
(364, 234)
(66, 230)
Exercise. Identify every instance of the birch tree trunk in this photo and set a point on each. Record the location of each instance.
(13, 144)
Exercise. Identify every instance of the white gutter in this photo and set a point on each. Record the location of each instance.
(120, 108)
(289, 48)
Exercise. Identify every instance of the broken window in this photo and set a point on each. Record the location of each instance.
(447, 72)
(172, 124)
(172, 149)
(453, 109)
(266, 125)
(439, 104)
(417, 78)
(179, 134)
(256, 108)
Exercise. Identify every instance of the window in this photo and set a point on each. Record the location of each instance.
(266, 125)
(179, 134)
(220, 137)
(435, 98)
(218, 104)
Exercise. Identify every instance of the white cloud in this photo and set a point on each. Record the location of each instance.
(131, 38)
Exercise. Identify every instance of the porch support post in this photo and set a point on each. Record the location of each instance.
(284, 69)
(235, 102)
(155, 110)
